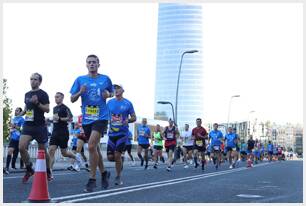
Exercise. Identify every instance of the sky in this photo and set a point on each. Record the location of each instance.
(251, 50)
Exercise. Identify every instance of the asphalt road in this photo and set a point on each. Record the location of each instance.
(277, 182)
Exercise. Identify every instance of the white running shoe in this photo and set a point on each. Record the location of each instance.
(231, 167)
(76, 166)
(186, 166)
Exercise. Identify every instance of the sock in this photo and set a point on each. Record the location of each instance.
(140, 157)
(195, 160)
(8, 161)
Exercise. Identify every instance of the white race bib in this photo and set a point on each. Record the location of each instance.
(216, 147)
(199, 143)
(92, 112)
(29, 116)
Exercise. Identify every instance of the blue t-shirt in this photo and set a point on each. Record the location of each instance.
(93, 104)
(18, 121)
(75, 138)
(129, 139)
(74, 141)
(119, 112)
(230, 139)
(243, 147)
(215, 137)
(142, 130)
(270, 147)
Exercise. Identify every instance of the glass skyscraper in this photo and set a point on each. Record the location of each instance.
(179, 30)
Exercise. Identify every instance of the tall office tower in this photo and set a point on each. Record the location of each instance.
(179, 30)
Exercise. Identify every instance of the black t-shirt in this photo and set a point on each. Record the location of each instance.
(35, 116)
(63, 111)
(251, 144)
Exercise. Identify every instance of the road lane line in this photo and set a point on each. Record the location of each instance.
(134, 186)
(153, 183)
(149, 187)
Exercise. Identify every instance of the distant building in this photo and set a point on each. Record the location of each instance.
(179, 30)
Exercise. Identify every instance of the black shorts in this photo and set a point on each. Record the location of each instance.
(188, 148)
(170, 147)
(60, 138)
(39, 133)
(144, 146)
(14, 144)
(128, 148)
(99, 126)
(200, 149)
(156, 147)
(270, 152)
(116, 144)
(243, 152)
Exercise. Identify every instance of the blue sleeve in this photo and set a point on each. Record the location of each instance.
(131, 109)
(21, 122)
(75, 87)
(149, 131)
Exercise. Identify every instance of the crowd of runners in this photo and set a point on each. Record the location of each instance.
(106, 111)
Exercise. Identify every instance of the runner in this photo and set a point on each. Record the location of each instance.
(60, 134)
(76, 165)
(94, 89)
(188, 143)
(15, 128)
(231, 139)
(128, 147)
(199, 135)
(216, 139)
(270, 151)
(170, 134)
(144, 134)
(243, 150)
(120, 110)
(36, 104)
(157, 138)
(250, 151)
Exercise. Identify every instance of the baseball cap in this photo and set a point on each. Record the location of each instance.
(118, 85)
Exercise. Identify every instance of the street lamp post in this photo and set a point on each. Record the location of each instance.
(166, 102)
(249, 121)
(229, 109)
(178, 78)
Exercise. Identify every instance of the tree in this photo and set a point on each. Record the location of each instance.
(7, 110)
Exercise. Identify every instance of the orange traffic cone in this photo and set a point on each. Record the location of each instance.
(39, 191)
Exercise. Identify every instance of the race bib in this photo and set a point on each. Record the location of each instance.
(92, 112)
(199, 143)
(142, 133)
(116, 120)
(170, 136)
(234, 149)
(216, 147)
(253, 150)
(29, 116)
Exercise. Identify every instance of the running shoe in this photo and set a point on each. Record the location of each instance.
(27, 175)
(118, 181)
(105, 179)
(91, 184)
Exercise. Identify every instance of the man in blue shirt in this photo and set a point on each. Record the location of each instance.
(270, 151)
(121, 114)
(231, 139)
(94, 89)
(143, 134)
(15, 129)
(216, 139)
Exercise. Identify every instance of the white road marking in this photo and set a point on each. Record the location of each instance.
(249, 196)
(99, 194)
